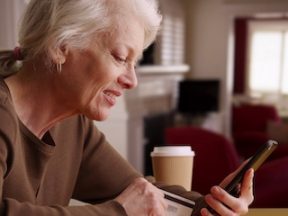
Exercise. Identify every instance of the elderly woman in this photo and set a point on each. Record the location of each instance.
(78, 57)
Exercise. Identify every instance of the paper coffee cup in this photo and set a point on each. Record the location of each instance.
(173, 165)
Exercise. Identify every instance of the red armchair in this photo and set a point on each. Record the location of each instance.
(216, 157)
(249, 128)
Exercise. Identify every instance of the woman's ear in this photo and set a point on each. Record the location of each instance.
(58, 54)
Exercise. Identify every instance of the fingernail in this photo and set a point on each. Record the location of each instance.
(208, 197)
(215, 189)
(204, 212)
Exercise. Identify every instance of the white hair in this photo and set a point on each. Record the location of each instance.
(52, 23)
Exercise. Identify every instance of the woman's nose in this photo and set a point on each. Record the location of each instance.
(128, 80)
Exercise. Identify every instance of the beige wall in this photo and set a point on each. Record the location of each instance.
(209, 29)
(10, 14)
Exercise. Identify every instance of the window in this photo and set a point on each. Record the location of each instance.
(267, 67)
(169, 48)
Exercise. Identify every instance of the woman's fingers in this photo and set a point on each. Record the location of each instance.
(142, 198)
(247, 186)
(219, 201)
(225, 204)
(231, 175)
(205, 212)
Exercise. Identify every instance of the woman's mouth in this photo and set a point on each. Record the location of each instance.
(111, 95)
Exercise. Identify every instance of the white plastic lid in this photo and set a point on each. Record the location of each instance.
(164, 151)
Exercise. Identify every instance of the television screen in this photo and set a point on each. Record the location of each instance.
(198, 96)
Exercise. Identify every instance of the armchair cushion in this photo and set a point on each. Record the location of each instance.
(253, 125)
(278, 131)
(252, 117)
(248, 142)
(271, 186)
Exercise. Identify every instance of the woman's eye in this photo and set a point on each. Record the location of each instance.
(120, 59)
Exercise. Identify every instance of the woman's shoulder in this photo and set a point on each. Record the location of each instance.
(4, 93)
(7, 111)
(9, 125)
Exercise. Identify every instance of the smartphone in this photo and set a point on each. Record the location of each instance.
(253, 162)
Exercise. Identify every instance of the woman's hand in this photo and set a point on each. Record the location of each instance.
(142, 198)
(227, 205)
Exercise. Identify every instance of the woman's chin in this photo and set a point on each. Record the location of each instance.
(97, 113)
(99, 116)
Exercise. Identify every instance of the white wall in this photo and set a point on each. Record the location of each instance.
(209, 31)
(115, 127)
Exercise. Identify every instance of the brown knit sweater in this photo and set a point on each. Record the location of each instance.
(73, 160)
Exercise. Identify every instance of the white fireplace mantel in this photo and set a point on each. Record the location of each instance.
(151, 70)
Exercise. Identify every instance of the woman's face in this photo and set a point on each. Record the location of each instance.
(97, 76)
